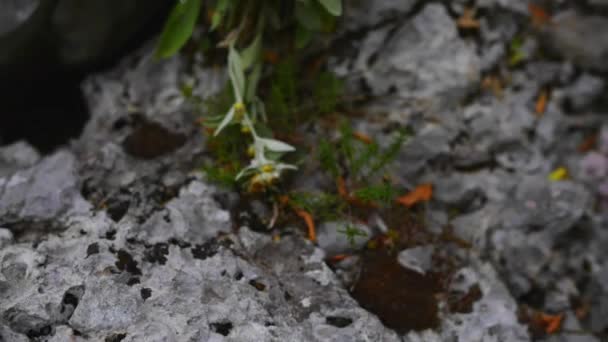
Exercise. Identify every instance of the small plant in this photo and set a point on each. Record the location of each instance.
(359, 158)
(351, 232)
(246, 24)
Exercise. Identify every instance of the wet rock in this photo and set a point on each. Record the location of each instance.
(575, 37)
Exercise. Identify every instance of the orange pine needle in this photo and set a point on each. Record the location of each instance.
(541, 102)
(338, 258)
(312, 234)
(421, 193)
(341, 185)
(362, 137)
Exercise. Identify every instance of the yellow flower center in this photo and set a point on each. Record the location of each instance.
(267, 168)
(239, 110)
(251, 151)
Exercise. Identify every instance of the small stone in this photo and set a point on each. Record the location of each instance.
(418, 259)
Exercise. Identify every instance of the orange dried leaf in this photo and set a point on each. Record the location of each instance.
(364, 138)
(338, 258)
(312, 234)
(341, 185)
(551, 323)
(284, 199)
(421, 193)
(541, 102)
(539, 15)
(467, 20)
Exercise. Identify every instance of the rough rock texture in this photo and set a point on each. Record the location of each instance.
(115, 238)
(41, 192)
(578, 38)
(151, 256)
(421, 62)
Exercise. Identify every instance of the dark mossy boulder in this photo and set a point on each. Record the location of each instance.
(72, 34)
(48, 46)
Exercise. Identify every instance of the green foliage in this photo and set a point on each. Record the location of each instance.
(361, 160)
(383, 194)
(222, 176)
(516, 53)
(178, 28)
(329, 158)
(333, 6)
(246, 24)
(283, 99)
(391, 152)
(351, 233)
(326, 92)
(284, 104)
(321, 205)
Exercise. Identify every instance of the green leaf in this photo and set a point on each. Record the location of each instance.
(252, 82)
(276, 145)
(334, 7)
(236, 73)
(251, 54)
(303, 37)
(227, 119)
(308, 16)
(179, 28)
(218, 15)
(328, 158)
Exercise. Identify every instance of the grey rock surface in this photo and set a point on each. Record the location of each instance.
(42, 192)
(16, 156)
(116, 238)
(334, 239)
(422, 59)
(579, 38)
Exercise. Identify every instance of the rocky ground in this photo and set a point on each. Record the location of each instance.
(116, 238)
